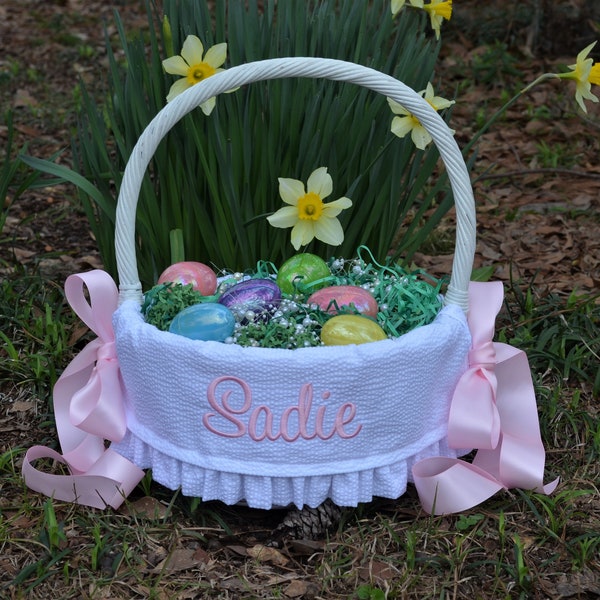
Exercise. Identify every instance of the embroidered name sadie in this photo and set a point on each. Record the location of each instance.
(258, 422)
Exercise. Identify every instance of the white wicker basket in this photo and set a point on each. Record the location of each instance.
(278, 427)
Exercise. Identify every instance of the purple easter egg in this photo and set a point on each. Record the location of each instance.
(338, 297)
(257, 296)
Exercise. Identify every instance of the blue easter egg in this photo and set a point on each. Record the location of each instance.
(206, 321)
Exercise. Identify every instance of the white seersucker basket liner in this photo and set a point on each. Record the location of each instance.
(355, 418)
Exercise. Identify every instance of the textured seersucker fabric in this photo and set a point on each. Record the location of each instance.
(358, 417)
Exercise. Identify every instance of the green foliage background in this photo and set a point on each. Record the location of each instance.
(213, 179)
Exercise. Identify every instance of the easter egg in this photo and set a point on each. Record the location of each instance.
(336, 297)
(198, 274)
(351, 329)
(258, 296)
(301, 269)
(206, 321)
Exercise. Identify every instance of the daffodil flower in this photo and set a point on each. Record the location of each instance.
(406, 122)
(398, 5)
(307, 214)
(584, 73)
(195, 66)
(438, 10)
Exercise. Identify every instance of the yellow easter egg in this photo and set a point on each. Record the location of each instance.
(351, 329)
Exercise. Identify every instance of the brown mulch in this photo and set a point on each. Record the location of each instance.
(46, 49)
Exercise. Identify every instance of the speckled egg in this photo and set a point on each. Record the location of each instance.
(301, 269)
(351, 329)
(256, 296)
(337, 297)
(208, 321)
(201, 276)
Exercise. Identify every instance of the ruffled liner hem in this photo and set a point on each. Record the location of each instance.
(345, 489)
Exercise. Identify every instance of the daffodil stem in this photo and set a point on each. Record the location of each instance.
(506, 106)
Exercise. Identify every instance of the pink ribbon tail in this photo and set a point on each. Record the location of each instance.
(88, 408)
(448, 485)
(107, 483)
(494, 411)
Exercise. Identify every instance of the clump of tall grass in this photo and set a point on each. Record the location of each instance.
(214, 179)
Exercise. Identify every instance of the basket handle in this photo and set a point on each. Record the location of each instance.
(278, 68)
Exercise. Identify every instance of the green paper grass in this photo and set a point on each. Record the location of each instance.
(164, 301)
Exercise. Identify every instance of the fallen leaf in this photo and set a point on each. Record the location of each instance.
(544, 260)
(239, 550)
(573, 585)
(21, 406)
(377, 571)
(306, 547)
(181, 559)
(296, 589)
(267, 554)
(91, 260)
(24, 98)
(147, 507)
(201, 555)
(76, 334)
(488, 252)
(22, 255)
(29, 131)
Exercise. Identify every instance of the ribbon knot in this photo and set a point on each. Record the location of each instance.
(493, 410)
(89, 408)
(107, 351)
(474, 421)
(97, 408)
(483, 356)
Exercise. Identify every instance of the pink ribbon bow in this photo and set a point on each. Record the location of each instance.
(494, 411)
(88, 408)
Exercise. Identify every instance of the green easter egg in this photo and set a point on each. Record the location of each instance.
(301, 269)
(351, 329)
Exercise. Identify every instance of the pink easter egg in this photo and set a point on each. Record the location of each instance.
(336, 297)
(198, 274)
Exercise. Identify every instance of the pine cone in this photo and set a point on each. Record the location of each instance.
(308, 523)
